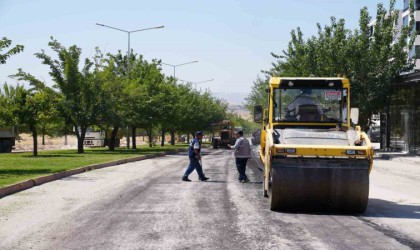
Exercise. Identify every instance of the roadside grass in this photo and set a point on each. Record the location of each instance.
(19, 167)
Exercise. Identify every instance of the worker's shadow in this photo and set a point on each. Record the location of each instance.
(209, 181)
(382, 208)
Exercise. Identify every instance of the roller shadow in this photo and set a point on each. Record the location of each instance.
(377, 208)
(386, 209)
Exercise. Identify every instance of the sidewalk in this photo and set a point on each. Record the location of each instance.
(398, 157)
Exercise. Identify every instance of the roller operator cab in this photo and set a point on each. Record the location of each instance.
(314, 156)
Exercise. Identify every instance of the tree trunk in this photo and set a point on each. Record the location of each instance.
(172, 137)
(162, 143)
(127, 136)
(80, 138)
(113, 138)
(149, 134)
(43, 139)
(388, 127)
(35, 140)
(133, 136)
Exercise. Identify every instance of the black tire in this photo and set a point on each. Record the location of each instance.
(273, 190)
(253, 142)
(215, 144)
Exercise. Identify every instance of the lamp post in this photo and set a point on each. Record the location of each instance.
(128, 55)
(174, 66)
(195, 86)
(128, 33)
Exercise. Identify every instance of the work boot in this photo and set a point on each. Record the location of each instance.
(185, 179)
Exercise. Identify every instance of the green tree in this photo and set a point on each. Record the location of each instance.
(170, 120)
(8, 91)
(77, 104)
(259, 94)
(37, 107)
(247, 126)
(371, 60)
(7, 96)
(4, 44)
(24, 107)
(149, 95)
(111, 100)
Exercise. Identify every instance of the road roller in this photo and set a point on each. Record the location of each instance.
(315, 156)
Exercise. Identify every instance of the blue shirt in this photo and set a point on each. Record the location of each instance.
(194, 144)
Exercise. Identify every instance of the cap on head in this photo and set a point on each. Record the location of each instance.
(199, 133)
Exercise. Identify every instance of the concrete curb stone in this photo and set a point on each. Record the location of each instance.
(8, 190)
(16, 188)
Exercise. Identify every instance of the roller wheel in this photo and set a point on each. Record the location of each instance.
(305, 189)
(359, 198)
(215, 144)
(273, 190)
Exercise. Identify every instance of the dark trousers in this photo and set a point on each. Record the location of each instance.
(194, 164)
(241, 166)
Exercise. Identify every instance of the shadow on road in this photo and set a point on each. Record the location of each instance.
(383, 208)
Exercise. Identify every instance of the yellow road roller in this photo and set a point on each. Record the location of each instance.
(315, 156)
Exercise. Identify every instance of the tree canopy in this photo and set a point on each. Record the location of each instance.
(5, 44)
(103, 94)
(371, 56)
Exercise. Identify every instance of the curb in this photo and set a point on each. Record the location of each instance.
(8, 190)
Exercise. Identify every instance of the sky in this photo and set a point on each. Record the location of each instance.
(231, 39)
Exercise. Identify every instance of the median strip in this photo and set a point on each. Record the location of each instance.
(11, 189)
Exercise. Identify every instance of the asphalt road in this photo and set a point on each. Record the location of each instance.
(145, 205)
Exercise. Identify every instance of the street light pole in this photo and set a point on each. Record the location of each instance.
(174, 66)
(129, 32)
(128, 56)
(195, 83)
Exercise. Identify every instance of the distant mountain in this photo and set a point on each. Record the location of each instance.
(237, 98)
(240, 110)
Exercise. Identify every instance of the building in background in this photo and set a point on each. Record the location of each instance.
(400, 126)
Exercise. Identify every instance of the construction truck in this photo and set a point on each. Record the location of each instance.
(223, 134)
(7, 139)
(314, 157)
(100, 138)
(94, 138)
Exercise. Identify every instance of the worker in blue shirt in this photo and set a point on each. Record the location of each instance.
(195, 158)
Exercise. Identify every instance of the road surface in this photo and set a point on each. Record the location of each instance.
(145, 205)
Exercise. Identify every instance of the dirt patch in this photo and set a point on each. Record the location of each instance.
(25, 143)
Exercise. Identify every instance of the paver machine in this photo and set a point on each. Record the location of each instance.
(314, 156)
(224, 134)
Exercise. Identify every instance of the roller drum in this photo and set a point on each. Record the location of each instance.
(316, 184)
